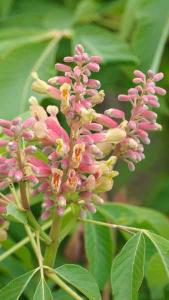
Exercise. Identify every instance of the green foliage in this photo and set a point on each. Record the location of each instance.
(128, 269)
(42, 291)
(14, 289)
(14, 214)
(81, 279)
(99, 249)
(136, 216)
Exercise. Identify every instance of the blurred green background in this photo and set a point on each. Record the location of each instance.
(128, 34)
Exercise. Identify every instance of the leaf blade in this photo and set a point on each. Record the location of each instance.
(128, 269)
(81, 279)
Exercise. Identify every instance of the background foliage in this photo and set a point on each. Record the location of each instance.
(128, 34)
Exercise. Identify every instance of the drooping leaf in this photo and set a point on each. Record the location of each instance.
(14, 214)
(162, 246)
(113, 49)
(14, 289)
(99, 249)
(81, 279)
(128, 269)
(42, 291)
(136, 216)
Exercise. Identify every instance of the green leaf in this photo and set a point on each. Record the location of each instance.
(14, 289)
(81, 279)
(5, 7)
(156, 283)
(99, 249)
(128, 269)
(43, 291)
(14, 214)
(162, 247)
(18, 63)
(113, 49)
(136, 216)
(60, 295)
(150, 28)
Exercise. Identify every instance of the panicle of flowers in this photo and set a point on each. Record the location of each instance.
(76, 167)
(143, 98)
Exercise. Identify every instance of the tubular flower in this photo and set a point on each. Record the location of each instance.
(74, 167)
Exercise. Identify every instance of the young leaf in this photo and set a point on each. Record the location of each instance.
(14, 289)
(128, 269)
(112, 50)
(14, 214)
(99, 249)
(81, 279)
(162, 247)
(42, 291)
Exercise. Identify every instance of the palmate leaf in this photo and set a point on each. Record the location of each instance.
(81, 279)
(17, 65)
(150, 28)
(42, 291)
(14, 289)
(99, 41)
(128, 269)
(136, 216)
(99, 249)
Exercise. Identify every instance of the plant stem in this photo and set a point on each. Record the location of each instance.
(21, 243)
(23, 193)
(37, 227)
(121, 227)
(63, 285)
(51, 250)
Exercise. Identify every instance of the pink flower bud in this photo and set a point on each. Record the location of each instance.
(30, 149)
(160, 91)
(59, 80)
(139, 74)
(77, 71)
(123, 98)
(79, 88)
(28, 123)
(96, 59)
(91, 207)
(158, 76)
(79, 49)
(106, 121)
(12, 146)
(150, 73)
(8, 132)
(93, 67)
(5, 123)
(132, 124)
(3, 143)
(60, 211)
(28, 135)
(93, 83)
(115, 113)
(137, 80)
(131, 166)
(68, 59)
(54, 92)
(18, 176)
(94, 126)
(133, 91)
(63, 67)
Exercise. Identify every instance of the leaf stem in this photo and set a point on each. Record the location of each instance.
(32, 240)
(115, 226)
(37, 227)
(21, 243)
(63, 285)
(51, 250)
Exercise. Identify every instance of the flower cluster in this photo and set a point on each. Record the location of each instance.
(142, 98)
(74, 167)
